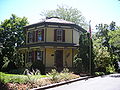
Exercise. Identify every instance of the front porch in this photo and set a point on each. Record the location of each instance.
(52, 57)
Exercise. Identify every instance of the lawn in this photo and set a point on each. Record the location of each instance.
(23, 82)
(15, 78)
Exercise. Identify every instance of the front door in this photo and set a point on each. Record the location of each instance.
(59, 58)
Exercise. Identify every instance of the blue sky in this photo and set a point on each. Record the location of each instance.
(98, 11)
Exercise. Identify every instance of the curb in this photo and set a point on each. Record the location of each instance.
(61, 83)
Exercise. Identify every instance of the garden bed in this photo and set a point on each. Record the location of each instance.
(24, 82)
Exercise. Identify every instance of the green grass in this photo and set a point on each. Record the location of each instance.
(15, 78)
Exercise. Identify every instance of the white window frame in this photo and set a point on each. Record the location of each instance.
(30, 37)
(39, 55)
(29, 56)
(40, 35)
(59, 35)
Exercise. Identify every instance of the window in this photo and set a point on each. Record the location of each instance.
(30, 37)
(30, 57)
(59, 35)
(39, 55)
(40, 35)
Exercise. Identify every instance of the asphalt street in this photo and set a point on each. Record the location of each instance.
(108, 82)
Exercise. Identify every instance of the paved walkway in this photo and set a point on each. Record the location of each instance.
(109, 82)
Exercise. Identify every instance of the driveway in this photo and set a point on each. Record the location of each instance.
(108, 82)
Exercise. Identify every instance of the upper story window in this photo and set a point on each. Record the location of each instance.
(40, 35)
(35, 36)
(59, 35)
(30, 37)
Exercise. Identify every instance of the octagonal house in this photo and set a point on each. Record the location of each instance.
(53, 42)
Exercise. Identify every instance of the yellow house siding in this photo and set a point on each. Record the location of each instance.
(76, 36)
(49, 57)
(50, 35)
(68, 35)
(67, 57)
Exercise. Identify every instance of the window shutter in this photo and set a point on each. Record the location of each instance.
(32, 56)
(55, 35)
(36, 35)
(63, 33)
(42, 56)
(27, 57)
(28, 36)
(33, 36)
(42, 34)
(35, 55)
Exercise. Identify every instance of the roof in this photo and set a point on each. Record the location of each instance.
(50, 44)
(56, 21)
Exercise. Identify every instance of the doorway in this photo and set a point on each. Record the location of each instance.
(59, 59)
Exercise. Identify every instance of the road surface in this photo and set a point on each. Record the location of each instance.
(109, 82)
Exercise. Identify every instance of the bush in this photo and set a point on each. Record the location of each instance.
(17, 71)
(99, 73)
(110, 69)
(8, 66)
(78, 64)
(38, 65)
(54, 75)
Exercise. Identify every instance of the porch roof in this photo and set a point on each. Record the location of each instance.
(56, 44)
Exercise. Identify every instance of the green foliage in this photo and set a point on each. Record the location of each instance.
(5, 78)
(102, 58)
(17, 71)
(12, 36)
(78, 64)
(115, 38)
(38, 65)
(110, 69)
(99, 73)
(15, 78)
(8, 66)
(106, 47)
(67, 13)
(28, 72)
(82, 59)
(54, 75)
(62, 76)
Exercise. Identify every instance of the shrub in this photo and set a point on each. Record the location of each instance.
(110, 69)
(78, 64)
(17, 71)
(54, 75)
(38, 65)
(99, 73)
(8, 66)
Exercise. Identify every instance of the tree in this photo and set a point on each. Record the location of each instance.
(115, 43)
(11, 36)
(81, 61)
(67, 13)
(105, 42)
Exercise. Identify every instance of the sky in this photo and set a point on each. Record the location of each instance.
(98, 11)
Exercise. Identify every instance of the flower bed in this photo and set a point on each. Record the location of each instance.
(24, 82)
